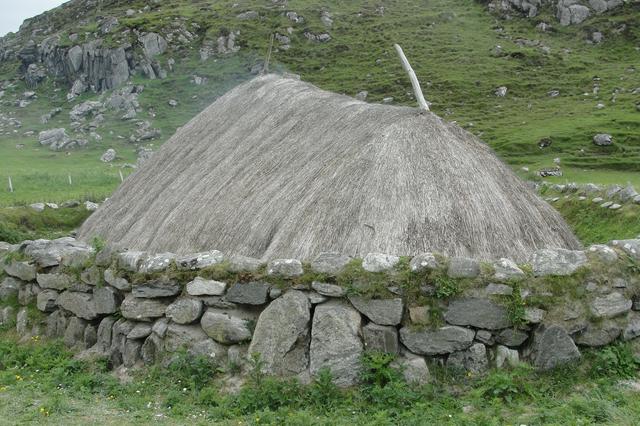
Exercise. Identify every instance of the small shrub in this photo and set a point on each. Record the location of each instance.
(377, 369)
(516, 308)
(507, 385)
(446, 287)
(323, 393)
(615, 361)
(193, 370)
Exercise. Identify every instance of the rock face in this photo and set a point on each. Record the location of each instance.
(335, 342)
(282, 333)
(557, 261)
(440, 341)
(480, 313)
(552, 347)
(381, 311)
(153, 44)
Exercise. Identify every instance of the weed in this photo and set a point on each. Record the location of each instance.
(616, 361)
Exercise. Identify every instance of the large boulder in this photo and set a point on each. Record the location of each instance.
(441, 341)
(55, 139)
(476, 312)
(335, 342)
(281, 335)
(183, 336)
(380, 311)
(153, 44)
(552, 347)
(557, 261)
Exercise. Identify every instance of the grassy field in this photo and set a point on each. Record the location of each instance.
(41, 383)
(451, 44)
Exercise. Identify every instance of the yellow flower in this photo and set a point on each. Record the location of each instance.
(19, 377)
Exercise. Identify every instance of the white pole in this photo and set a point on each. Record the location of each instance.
(422, 103)
(10, 185)
(70, 183)
(121, 177)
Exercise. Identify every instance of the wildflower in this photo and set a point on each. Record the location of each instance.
(19, 378)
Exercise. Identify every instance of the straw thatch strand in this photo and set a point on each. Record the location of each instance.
(279, 168)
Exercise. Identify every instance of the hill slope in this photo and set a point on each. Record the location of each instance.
(120, 63)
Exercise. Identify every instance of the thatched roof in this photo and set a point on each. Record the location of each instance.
(279, 168)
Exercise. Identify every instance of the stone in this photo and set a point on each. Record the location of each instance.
(91, 276)
(54, 281)
(172, 103)
(611, 305)
(23, 270)
(498, 289)
(22, 322)
(315, 298)
(335, 342)
(281, 336)
(463, 267)
(157, 263)
(380, 338)
(379, 262)
(534, 315)
(131, 353)
(414, 368)
(74, 334)
(55, 139)
(159, 287)
(287, 268)
(140, 331)
(142, 309)
(380, 311)
(476, 312)
(153, 44)
(151, 349)
(552, 347)
(603, 253)
(330, 263)
(557, 261)
(274, 293)
(38, 207)
(184, 310)
(603, 139)
(441, 341)
(249, 15)
(106, 300)
(485, 337)
(9, 289)
(362, 95)
(627, 194)
(209, 348)
(630, 247)
(131, 260)
(423, 262)
(108, 156)
(202, 287)
(183, 336)
(506, 269)
(56, 324)
(474, 359)
(200, 260)
(27, 293)
(420, 314)
(239, 263)
(225, 327)
(62, 251)
(251, 293)
(632, 329)
(506, 357)
(329, 290)
(80, 304)
(113, 280)
(501, 91)
(90, 336)
(597, 335)
(46, 300)
(8, 315)
(511, 337)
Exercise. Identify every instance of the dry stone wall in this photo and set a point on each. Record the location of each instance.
(137, 308)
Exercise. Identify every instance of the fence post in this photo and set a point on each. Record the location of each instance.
(121, 177)
(69, 176)
(10, 185)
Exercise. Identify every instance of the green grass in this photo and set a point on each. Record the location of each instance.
(449, 44)
(41, 383)
(22, 223)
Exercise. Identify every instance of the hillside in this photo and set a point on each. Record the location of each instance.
(124, 75)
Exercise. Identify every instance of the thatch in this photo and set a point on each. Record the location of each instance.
(279, 168)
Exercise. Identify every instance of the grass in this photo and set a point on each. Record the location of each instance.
(40, 382)
(449, 44)
(22, 223)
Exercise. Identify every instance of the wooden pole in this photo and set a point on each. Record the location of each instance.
(121, 177)
(265, 69)
(422, 103)
(10, 185)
